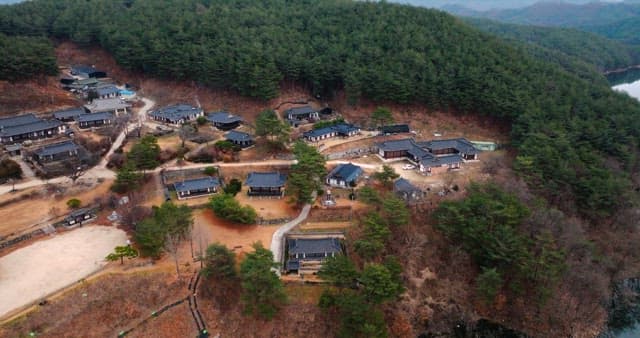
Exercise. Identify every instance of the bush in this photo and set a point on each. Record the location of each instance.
(210, 171)
(226, 207)
(233, 187)
(9, 169)
(201, 120)
(74, 203)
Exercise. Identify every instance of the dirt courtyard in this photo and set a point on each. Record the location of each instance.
(209, 229)
(41, 268)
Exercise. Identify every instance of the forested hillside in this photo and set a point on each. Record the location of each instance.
(25, 57)
(565, 128)
(626, 31)
(594, 49)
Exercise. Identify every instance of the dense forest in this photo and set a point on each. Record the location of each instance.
(591, 48)
(576, 140)
(25, 57)
(626, 31)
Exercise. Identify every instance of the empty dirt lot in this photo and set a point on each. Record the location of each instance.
(41, 268)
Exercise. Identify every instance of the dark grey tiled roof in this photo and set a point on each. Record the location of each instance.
(197, 184)
(56, 148)
(18, 120)
(342, 128)
(460, 144)
(69, 113)
(176, 112)
(313, 245)
(346, 171)
(107, 90)
(83, 69)
(266, 180)
(238, 136)
(305, 110)
(395, 129)
(104, 105)
(442, 160)
(79, 212)
(30, 128)
(345, 128)
(95, 117)
(402, 185)
(397, 145)
(223, 117)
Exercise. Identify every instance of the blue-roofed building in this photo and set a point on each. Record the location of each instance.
(32, 131)
(95, 120)
(197, 187)
(107, 92)
(266, 184)
(306, 255)
(239, 138)
(460, 146)
(68, 115)
(302, 113)
(344, 175)
(341, 130)
(224, 120)
(18, 120)
(407, 191)
(56, 152)
(176, 114)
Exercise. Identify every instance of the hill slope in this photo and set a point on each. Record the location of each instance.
(587, 47)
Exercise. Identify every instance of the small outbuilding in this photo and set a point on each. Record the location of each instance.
(407, 191)
(239, 138)
(302, 113)
(344, 175)
(80, 216)
(197, 187)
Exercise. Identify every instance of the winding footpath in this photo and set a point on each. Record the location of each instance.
(277, 241)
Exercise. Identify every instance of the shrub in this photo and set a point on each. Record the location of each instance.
(74, 203)
(226, 207)
(233, 187)
(201, 120)
(9, 169)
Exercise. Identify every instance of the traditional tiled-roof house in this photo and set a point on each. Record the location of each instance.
(56, 152)
(68, 115)
(95, 120)
(301, 113)
(197, 187)
(344, 175)
(266, 184)
(307, 255)
(224, 120)
(115, 106)
(176, 114)
(239, 138)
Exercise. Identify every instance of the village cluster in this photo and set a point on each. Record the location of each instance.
(48, 144)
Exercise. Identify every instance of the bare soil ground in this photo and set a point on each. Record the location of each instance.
(39, 95)
(209, 229)
(268, 208)
(108, 305)
(32, 272)
(41, 205)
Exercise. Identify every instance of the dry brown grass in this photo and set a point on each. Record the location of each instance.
(39, 95)
(102, 308)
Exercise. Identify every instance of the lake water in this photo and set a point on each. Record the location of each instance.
(628, 82)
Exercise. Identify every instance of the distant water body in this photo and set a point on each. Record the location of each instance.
(628, 82)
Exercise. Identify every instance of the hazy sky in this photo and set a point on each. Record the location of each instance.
(484, 4)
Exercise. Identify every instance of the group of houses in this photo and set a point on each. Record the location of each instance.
(430, 157)
(18, 128)
(259, 184)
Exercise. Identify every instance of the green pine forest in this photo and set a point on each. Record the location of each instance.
(24, 56)
(576, 139)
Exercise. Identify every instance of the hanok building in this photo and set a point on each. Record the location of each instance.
(239, 138)
(344, 175)
(176, 114)
(407, 191)
(107, 92)
(68, 115)
(95, 120)
(339, 130)
(224, 120)
(115, 106)
(84, 71)
(459, 146)
(17, 120)
(266, 184)
(302, 113)
(197, 187)
(13, 149)
(31, 131)
(307, 255)
(431, 156)
(83, 85)
(56, 152)
(80, 216)
(395, 129)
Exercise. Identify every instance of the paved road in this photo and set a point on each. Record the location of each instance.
(277, 241)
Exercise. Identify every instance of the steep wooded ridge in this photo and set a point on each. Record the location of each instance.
(588, 47)
(564, 127)
(25, 57)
